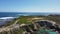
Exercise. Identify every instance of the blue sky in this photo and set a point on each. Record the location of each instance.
(30, 6)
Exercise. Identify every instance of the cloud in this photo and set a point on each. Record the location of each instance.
(38, 10)
(32, 10)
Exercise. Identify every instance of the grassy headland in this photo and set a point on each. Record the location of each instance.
(30, 19)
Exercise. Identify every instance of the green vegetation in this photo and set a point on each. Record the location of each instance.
(54, 18)
(10, 22)
(25, 19)
(19, 31)
(29, 20)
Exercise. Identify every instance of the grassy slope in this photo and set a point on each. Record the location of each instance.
(25, 19)
(28, 20)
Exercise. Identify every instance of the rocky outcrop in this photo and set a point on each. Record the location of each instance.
(28, 28)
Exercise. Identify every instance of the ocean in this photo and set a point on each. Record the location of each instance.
(8, 14)
(16, 14)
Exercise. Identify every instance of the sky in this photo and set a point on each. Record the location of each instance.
(30, 6)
